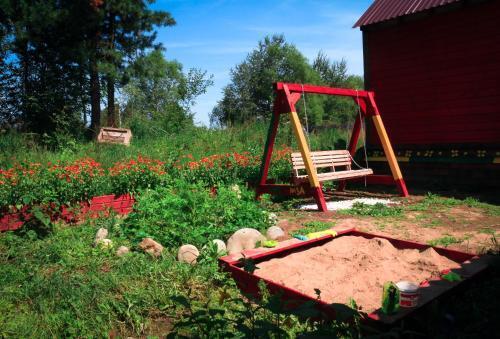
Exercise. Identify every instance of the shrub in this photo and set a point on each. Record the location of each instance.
(189, 213)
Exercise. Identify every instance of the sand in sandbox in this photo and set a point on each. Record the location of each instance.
(353, 267)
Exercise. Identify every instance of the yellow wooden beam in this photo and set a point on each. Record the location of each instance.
(304, 150)
(386, 144)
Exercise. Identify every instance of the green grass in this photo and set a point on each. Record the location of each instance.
(487, 230)
(445, 241)
(317, 226)
(377, 210)
(433, 202)
(197, 141)
(62, 286)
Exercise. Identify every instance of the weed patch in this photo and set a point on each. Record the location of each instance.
(445, 241)
(377, 210)
(314, 226)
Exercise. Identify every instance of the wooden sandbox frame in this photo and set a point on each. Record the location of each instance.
(429, 290)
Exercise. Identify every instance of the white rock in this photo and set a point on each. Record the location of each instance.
(274, 233)
(188, 254)
(235, 188)
(273, 218)
(244, 239)
(347, 204)
(102, 233)
(150, 246)
(221, 246)
(105, 243)
(122, 250)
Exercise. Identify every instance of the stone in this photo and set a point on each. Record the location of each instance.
(221, 246)
(275, 233)
(105, 243)
(272, 218)
(236, 189)
(188, 254)
(244, 239)
(150, 246)
(283, 223)
(101, 234)
(122, 250)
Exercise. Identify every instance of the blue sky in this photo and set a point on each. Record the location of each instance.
(217, 35)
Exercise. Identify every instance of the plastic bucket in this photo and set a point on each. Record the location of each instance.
(408, 294)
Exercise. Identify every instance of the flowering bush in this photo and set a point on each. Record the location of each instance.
(64, 183)
(52, 184)
(136, 174)
(234, 167)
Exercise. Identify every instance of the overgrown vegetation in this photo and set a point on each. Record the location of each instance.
(187, 213)
(58, 284)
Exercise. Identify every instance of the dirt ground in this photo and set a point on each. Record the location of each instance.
(463, 228)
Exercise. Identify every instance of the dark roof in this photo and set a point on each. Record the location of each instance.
(382, 10)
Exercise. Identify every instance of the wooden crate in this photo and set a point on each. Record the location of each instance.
(114, 135)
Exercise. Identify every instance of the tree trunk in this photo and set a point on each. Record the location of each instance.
(111, 101)
(26, 88)
(95, 97)
(110, 77)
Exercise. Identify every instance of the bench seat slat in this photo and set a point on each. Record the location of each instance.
(341, 174)
(325, 165)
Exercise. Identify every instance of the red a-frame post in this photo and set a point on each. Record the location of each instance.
(287, 96)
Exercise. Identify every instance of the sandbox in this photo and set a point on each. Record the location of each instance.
(352, 265)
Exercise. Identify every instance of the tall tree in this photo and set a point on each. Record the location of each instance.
(57, 52)
(161, 93)
(249, 96)
(128, 28)
(341, 111)
(332, 73)
(44, 56)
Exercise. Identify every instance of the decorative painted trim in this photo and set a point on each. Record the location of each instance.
(434, 155)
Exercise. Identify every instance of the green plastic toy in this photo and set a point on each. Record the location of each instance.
(270, 243)
(390, 298)
(451, 276)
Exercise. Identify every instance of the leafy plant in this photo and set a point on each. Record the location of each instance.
(189, 213)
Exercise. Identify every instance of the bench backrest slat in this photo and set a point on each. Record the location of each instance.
(323, 159)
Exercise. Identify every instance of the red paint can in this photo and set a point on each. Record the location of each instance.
(408, 294)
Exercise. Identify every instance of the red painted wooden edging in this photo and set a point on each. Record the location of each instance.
(97, 206)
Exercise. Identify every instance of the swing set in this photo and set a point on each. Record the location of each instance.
(338, 162)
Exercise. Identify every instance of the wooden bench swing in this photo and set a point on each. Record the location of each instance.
(338, 162)
(331, 160)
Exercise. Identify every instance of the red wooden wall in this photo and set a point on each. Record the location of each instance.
(437, 76)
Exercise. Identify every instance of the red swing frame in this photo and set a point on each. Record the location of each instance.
(287, 95)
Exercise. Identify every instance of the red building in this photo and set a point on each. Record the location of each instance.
(435, 68)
